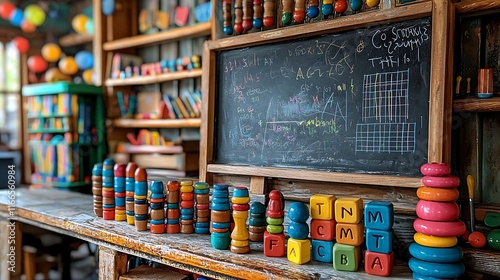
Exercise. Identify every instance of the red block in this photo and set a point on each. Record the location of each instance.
(379, 264)
(323, 229)
(274, 244)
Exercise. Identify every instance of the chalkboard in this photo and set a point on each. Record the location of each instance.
(355, 102)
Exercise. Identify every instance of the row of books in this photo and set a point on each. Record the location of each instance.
(186, 105)
(49, 105)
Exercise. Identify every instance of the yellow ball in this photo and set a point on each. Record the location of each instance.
(34, 14)
(87, 76)
(78, 23)
(372, 3)
(51, 52)
(68, 65)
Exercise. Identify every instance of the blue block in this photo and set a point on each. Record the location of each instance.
(221, 187)
(173, 205)
(187, 211)
(157, 195)
(172, 221)
(379, 241)
(221, 207)
(119, 189)
(379, 215)
(157, 222)
(108, 179)
(120, 182)
(220, 225)
(202, 224)
(322, 251)
(217, 193)
(220, 241)
(298, 230)
(220, 200)
(120, 201)
(187, 217)
(201, 230)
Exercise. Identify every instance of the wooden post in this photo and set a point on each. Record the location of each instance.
(257, 185)
(112, 264)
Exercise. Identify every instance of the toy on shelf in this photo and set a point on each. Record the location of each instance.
(187, 206)
(140, 199)
(202, 200)
(257, 222)
(157, 205)
(108, 189)
(274, 238)
(119, 176)
(379, 219)
(97, 188)
(129, 192)
(298, 246)
(239, 235)
(220, 217)
(348, 233)
(173, 212)
(322, 227)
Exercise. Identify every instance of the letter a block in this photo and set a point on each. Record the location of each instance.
(348, 210)
(379, 241)
(274, 244)
(379, 264)
(299, 250)
(322, 251)
(350, 234)
(379, 215)
(322, 206)
(345, 257)
(323, 229)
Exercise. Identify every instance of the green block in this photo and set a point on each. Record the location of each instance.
(345, 257)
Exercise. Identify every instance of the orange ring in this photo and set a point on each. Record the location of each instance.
(438, 194)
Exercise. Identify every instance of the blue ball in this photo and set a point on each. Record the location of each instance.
(17, 17)
(327, 9)
(84, 60)
(312, 11)
(356, 5)
(298, 230)
(257, 23)
(298, 212)
(228, 30)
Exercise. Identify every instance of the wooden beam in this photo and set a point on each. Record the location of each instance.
(112, 264)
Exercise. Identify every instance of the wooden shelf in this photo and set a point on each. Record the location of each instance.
(177, 34)
(146, 80)
(75, 39)
(168, 123)
(149, 149)
(477, 6)
(477, 105)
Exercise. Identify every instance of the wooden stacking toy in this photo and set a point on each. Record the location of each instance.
(379, 219)
(239, 235)
(157, 206)
(140, 199)
(220, 217)
(274, 238)
(322, 227)
(202, 199)
(108, 190)
(129, 192)
(257, 222)
(348, 233)
(298, 246)
(173, 213)
(434, 252)
(97, 188)
(120, 210)
(187, 207)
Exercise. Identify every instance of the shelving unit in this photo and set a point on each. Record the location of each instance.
(154, 79)
(75, 39)
(135, 123)
(477, 105)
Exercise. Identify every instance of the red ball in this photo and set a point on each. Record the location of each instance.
(6, 10)
(238, 28)
(340, 6)
(37, 64)
(477, 239)
(299, 16)
(21, 43)
(247, 25)
(268, 21)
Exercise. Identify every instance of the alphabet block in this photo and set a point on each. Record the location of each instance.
(379, 215)
(323, 229)
(379, 241)
(299, 250)
(348, 210)
(322, 206)
(345, 257)
(349, 234)
(274, 244)
(322, 251)
(379, 264)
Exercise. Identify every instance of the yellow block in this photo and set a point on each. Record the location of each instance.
(349, 210)
(435, 241)
(322, 206)
(240, 200)
(299, 251)
(130, 220)
(120, 217)
(188, 188)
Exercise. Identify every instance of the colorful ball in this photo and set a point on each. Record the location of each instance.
(89, 26)
(88, 76)
(6, 10)
(27, 27)
(16, 17)
(37, 64)
(68, 65)
(51, 52)
(21, 44)
(84, 60)
(78, 23)
(34, 14)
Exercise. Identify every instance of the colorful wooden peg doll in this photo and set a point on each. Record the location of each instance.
(313, 8)
(173, 212)
(129, 191)
(247, 15)
(299, 12)
(327, 7)
(257, 222)
(286, 15)
(157, 205)
(141, 206)
(298, 249)
(202, 199)
(239, 235)
(119, 178)
(268, 20)
(238, 16)
(97, 188)
(226, 14)
(220, 218)
(274, 239)
(108, 190)
(187, 207)
(257, 14)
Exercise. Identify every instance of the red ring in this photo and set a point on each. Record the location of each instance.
(441, 229)
(441, 182)
(435, 169)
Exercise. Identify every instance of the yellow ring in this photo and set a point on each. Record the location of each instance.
(140, 196)
(186, 183)
(240, 200)
(239, 243)
(435, 241)
(187, 188)
(130, 220)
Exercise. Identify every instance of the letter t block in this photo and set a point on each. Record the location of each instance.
(322, 206)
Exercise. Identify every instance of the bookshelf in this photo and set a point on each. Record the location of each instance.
(154, 79)
(75, 39)
(177, 123)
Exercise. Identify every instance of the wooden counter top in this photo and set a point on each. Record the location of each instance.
(71, 214)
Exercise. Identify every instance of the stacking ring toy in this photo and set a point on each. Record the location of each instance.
(431, 254)
(444, 270)
(441, 229)
(441, 182)
(437, 211)
(435, 169)
(438, 194)
(417, 276)
(435, 241)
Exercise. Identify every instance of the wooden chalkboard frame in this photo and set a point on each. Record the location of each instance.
(440, 97)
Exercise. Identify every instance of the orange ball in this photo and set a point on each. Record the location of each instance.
(68, 65)
(37, 64)
(27, 27)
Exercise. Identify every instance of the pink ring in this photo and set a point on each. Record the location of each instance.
(441, 229)
(441, 182)
(435, 169)
(437, 211)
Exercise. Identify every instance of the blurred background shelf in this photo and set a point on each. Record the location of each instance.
(163, 123)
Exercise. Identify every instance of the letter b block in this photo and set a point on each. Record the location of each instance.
(299, 250)
(322, 251)
(379, 215)
(348, 210)
(379, 264)
(322, 206)
(349, 234)
(345, 257)
(274, 244)
(323, 229)
(379, 241)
